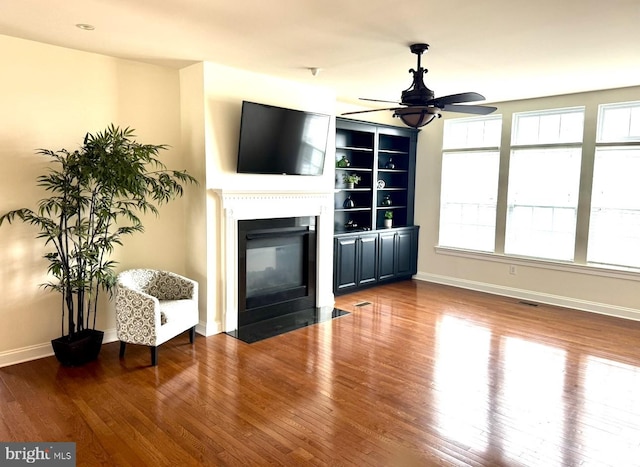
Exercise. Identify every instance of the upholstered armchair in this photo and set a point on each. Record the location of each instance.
(153, 306)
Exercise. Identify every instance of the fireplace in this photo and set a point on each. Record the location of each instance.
(245, 205)
(276, 267)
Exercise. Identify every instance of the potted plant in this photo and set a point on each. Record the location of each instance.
(95, 196)
(351, 180)
(388, 219)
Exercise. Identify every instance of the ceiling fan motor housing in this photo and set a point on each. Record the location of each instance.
(418, 93)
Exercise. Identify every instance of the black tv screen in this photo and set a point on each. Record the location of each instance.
(275, 140)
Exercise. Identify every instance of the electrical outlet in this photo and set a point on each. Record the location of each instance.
(512, 270)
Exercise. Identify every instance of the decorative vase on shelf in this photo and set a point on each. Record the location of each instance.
(348, 203)
(350, 185)
(343, 163)
(390, 164)
(388, 219)
(386, 201)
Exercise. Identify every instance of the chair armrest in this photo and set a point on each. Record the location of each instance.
(137, 316)
(172, 286)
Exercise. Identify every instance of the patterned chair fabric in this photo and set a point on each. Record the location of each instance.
(153, 306)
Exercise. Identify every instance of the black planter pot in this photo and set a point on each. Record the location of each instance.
(84, 347)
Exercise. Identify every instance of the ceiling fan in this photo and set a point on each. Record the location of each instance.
(419, 105)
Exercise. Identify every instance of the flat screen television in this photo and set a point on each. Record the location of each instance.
(275, 140)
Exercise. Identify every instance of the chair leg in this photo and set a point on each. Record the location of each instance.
(123, 346)
(192, 334)
(154, 355)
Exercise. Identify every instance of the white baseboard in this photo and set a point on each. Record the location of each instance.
(207, 330)
(531, 296)
(25, 354)
(34, 352)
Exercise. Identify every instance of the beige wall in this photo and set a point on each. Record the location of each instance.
(580, 287)
(51, 97)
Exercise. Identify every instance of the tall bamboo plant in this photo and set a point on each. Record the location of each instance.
(97, 194)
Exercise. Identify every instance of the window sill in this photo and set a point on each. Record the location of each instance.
(591, 269)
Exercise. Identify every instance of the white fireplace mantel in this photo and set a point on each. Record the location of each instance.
(264, 204)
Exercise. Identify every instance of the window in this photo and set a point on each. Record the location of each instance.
(544, 181)
(619, 122)
(614, 226)
(548, 127)
(542, 186)
(470, 164)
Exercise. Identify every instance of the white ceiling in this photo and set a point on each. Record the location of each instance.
(504, 49)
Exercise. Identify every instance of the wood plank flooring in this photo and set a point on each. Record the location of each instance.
(422, 375)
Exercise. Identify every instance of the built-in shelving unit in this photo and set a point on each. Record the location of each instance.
(383, 157)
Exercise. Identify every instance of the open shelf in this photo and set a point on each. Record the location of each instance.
(383, 157)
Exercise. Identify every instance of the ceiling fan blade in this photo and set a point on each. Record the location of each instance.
(470, 109)
(379, 100)
(457, 98)
(371, 110)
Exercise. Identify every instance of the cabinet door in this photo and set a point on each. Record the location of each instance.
(406, 252)
(387, 256)
(367, 259)
(345, 251)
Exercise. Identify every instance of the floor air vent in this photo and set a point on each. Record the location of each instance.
(524, 302)
(362, 304)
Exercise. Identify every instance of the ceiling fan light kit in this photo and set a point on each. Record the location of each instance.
(419, 104)
(417, 118)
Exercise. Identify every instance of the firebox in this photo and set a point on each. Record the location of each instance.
(276, 267)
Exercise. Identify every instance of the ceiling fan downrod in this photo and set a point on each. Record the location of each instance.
(418, 93)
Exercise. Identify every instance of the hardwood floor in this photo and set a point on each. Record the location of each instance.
(423, 375)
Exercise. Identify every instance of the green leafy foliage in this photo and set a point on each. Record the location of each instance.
(351, 178)
(97, 194)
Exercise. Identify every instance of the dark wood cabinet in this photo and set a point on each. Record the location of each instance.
(406, 252)
(345, 262)
(355, 261)
(369, 258)
(387, 258)
(383, 159)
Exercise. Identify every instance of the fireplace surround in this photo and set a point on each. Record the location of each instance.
(241, 205)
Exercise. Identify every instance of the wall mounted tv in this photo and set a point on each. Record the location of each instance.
(275, 140)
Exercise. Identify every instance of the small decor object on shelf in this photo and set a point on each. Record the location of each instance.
(343, 163)
(386, 201)
(351, 180)
(381, 184)
(388, 219)
(349, 203)
(351, 225)
(390, 164)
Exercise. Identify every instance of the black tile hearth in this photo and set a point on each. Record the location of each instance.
(275, 326)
